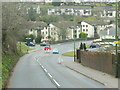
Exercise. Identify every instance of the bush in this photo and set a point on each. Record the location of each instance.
(83, 35)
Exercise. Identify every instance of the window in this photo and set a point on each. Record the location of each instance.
(43, 32)
(83, 25)
(46, 32)
(86, 25)
(75, 31)
(75, 36)
(86, 30)
(83, 29)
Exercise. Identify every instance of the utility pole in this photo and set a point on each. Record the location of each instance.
(117, 39)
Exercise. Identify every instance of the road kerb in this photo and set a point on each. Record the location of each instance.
(84, 75)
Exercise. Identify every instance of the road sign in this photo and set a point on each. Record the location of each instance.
(117, 42)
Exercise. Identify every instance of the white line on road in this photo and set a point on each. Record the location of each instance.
(56, 82)
(45, 70)
(50, 75)
(42, 67)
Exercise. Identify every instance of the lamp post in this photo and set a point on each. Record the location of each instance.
(117, 39)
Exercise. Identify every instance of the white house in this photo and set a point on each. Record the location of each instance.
(69, 11)
(101, 27)
(49, 33)
(33, 32)
(87, 28)
(73, 32)
(108, 13)
(109, 33)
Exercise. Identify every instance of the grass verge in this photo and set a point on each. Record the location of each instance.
(71, 54)
(9, 61)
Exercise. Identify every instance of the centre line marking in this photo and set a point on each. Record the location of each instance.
(42, 67)
(45, 70)
(50, 75)
(56, 82)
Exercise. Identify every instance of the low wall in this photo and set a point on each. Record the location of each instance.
(101, 61)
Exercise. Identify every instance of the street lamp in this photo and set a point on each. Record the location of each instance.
(117, 39)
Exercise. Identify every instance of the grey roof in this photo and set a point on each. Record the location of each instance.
(112, 31)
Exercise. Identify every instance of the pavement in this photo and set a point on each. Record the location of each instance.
(103, 78)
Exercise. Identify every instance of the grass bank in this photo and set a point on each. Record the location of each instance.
(9, 61)
(71, 54)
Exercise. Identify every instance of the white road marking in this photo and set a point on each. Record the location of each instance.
(50, 75)
(42, 67)
(56, 82)
(45, 70)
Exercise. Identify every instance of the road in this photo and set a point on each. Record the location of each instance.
(43, 70)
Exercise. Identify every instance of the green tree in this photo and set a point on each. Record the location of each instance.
(83, 35)
(38, 39)
(31, 14)
(81, 46)
(56, 3)
(84, 46)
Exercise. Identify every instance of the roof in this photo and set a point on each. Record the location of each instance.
(112, 31)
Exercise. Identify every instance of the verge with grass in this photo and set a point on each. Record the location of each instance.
(71, 54)
(10, 60)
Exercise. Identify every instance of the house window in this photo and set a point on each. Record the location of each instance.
(75, 31)
(86, 30)
(86, 25)
(83, 25)
(46, 32)
(83, 29)
(43, 32)
(75, 36)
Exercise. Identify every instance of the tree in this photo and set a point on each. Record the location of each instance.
(83, 35)
(31, 14)
(84, 46)
(81, 46)
(56, 3)
(38, 39)
(14, 21)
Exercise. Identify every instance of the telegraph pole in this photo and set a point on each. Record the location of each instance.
(116, 39)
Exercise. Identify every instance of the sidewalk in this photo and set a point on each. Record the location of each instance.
(103, 78)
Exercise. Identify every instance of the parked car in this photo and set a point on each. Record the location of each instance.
(94, 46)
(43, 44)
(55, 51)
(29, 43)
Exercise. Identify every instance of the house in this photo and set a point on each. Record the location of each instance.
(109, 33)
(73, 32)
(69, 11)
(33, 32)
(87, 28)
(35, 7)
(49, 33)
(108, 13)
(101, 27)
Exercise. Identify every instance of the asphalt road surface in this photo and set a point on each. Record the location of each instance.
(43, 70)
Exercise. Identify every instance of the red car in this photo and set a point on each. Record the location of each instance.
(47, 48)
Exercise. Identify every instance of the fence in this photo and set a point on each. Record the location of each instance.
(101, 61)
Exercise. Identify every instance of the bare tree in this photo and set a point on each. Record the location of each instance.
(14, 22)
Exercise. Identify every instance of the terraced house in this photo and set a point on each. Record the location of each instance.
(69, 11)
(49, 33)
